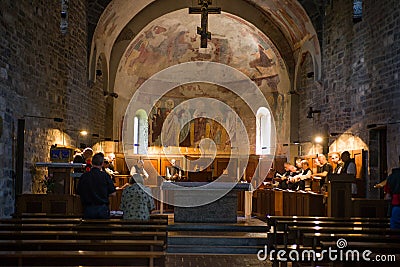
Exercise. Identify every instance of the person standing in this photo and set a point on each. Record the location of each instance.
(94, 189)
(337, 162)
(139, 168)
(85, 158)
(325, 170)
(349, 167)
(173, 171)
(136, 200)
(391, 186)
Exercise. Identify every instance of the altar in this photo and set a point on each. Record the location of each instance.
(63, 176)
(222, 210)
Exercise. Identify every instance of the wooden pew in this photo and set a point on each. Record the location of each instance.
(82, 227)
(81, 244)
(317, 233)
(77, 235)
(71, 216)
(40, 241)
(381, 247)
(271, 219)
(291, 228)
(280, 224)
(390, 251)
(81, 258)
(314, 239)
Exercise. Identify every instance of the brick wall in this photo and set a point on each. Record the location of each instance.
(361, 63)
(42, 73)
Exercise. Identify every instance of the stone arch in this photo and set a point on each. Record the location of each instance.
(286, 24)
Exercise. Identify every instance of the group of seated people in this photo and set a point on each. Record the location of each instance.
(300, 176)
(297, 177)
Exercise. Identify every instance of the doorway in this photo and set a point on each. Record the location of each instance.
(378, 160)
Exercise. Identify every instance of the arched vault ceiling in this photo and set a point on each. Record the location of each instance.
(284, 22)
(172, 39)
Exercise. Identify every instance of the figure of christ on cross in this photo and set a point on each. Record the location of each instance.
(204, 10)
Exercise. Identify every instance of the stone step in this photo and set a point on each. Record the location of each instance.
(218, 227)
(214, 249)
(218, 240)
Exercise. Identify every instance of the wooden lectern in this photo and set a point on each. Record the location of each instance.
(339, 195)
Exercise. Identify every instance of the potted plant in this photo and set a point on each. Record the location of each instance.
(50, 183)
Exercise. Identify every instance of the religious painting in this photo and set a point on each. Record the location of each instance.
(187, 127)
(172, 39)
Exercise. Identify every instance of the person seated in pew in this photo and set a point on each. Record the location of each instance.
(305, 176)
(293, 180)
(136, 201)
(282, 178)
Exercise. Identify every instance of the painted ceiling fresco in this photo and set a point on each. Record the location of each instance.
(172, 39)
(289, 15)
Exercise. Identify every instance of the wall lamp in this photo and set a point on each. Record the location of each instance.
(311, 111)
(377, 125)
(42, 117)
(336, 134)
(105, 93)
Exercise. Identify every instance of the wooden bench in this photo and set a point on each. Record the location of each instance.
(317, 233)
(280, 224)
(314, 239)
(162, 218)
(82, 227)
(381, 248)
(81, 258)
(76, 235)
(73, 241)
(270, 219)
(84, 245)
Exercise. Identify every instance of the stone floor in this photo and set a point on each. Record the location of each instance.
(217, 260)
(176, 260)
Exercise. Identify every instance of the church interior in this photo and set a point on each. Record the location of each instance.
(219, 100)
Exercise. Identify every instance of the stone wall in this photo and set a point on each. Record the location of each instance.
(360, 74)
(42, 73)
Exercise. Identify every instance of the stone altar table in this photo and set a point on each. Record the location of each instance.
(222, 210)
(62, 174)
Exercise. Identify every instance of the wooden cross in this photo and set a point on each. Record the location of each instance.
(204, 10)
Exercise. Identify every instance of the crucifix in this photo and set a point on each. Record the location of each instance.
(204, 10)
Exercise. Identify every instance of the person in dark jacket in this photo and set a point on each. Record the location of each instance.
(94, 188)
(393, 188)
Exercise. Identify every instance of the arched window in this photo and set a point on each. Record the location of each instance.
(264, 131)
(140, 132)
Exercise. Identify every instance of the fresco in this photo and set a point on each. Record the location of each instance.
(288, 15)
(189, 134)
(172, 39)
